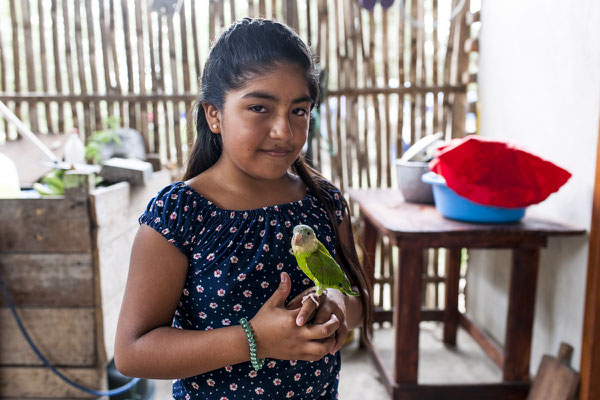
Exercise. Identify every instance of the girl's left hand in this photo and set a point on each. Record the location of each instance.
(331, 302)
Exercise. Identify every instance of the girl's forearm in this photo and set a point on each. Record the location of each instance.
(170, 353)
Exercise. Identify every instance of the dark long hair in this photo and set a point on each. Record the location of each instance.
(248, 49)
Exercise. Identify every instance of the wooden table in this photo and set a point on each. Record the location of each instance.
(416, 227)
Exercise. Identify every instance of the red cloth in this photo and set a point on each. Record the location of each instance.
(495, 173)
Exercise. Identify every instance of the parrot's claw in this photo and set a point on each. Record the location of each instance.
(312, 297)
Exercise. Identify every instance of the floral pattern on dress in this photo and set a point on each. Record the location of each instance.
(235, 262)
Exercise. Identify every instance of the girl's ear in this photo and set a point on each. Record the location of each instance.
(212, 117)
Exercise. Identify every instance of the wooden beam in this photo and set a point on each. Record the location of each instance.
(590, 346)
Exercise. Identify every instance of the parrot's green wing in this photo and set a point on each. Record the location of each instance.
(327, 272)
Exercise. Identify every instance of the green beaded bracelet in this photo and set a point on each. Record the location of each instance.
(257, 363)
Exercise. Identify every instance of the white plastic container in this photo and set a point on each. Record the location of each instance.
(74, 149)
(9, 179)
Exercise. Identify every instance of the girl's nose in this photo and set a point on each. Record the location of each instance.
(281, 128)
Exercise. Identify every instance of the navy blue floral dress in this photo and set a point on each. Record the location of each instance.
(235, 261)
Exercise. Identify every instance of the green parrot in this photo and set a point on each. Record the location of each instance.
(316, 262)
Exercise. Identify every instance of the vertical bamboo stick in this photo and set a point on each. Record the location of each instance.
(16, 60)
(117, 70)
(3, 87)
(274, 9)
(139, 30)
(362, 137)
(251, 9)
(232, 10)
(413, 71)
(93, 66)
(376, 101)
(386, 79)
(87, 125)
(338, 129)
(161, 84)
(128, 62)
(29, 64)
(221, 14)
(436, 108)
(401, 81)
(185, 66)
(174, 78)
(308, 23)
(69, 62)
(155, 148)
(460, 99)
(262, 9)
(57, 63)
(195, 39)
(44, 64)
(211, 20)
(422, 73)
(105, 48)
(447, 70)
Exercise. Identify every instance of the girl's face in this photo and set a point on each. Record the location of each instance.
(264, 125)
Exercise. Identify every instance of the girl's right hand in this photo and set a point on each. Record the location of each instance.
(278, 336)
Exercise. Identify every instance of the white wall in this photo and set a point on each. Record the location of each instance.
(539, 87)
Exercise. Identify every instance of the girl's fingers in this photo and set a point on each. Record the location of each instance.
(323, 331)
(308, 308)
(341, 335)
(315, 350)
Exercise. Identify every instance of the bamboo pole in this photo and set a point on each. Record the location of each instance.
(16, 60)
(447, 71)
(44, 64)
(185, 66)
(195, 41)
(401, 80)
(29, 63)
(69, 61)
(87, 123)
(106, 47)
(128, 61)
(143, 108)
(460, 99)
(436, 105)
(155, 148)
(93, 66)
(161, 87)
(386, 78)
(57, 63)
(174, 79)
(116, 69)
(413, 71)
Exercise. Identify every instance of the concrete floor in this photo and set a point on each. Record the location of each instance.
(437, 364)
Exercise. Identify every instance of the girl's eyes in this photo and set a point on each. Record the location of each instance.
(258, 109)
(301, 112)
(261, 109)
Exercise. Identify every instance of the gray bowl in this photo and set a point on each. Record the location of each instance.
(410, 184)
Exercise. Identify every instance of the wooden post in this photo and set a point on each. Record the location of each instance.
(451, 308)
(590, 345)
(523, 279)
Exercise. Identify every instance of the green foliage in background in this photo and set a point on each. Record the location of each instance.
(98, 138)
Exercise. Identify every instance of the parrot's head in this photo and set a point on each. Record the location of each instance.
(304, 240)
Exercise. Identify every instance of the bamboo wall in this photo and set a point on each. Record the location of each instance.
(392, 76)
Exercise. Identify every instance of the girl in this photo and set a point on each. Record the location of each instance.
(213, 252)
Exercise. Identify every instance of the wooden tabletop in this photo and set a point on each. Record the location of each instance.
(387, 210)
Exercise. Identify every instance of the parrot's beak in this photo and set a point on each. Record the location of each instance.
(297, 239)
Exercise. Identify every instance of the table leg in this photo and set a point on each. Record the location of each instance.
(521, 305)
(451, 308)
(370, 241)
(407, 314)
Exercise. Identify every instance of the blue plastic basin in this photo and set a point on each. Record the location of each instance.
(452, 205)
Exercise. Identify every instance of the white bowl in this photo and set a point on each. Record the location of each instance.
(409, 175)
